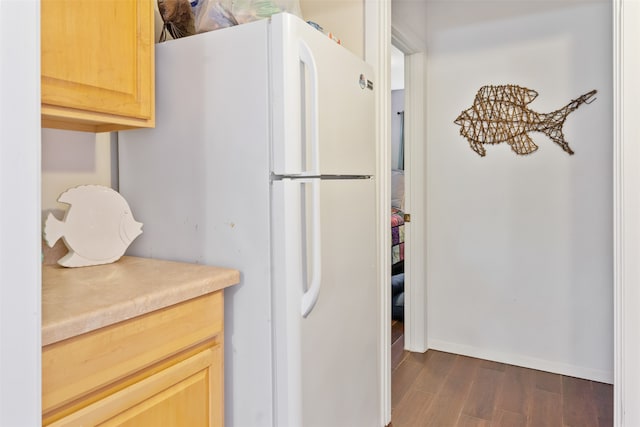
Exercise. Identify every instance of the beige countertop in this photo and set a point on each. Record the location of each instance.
(80, 300)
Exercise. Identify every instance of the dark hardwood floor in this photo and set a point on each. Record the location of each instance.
(446, 390)
(397, 344)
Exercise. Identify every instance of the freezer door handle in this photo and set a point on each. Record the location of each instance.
(306, 57)
(310, 296)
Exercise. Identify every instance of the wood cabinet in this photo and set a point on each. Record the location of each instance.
(161, 368)
(97, 64)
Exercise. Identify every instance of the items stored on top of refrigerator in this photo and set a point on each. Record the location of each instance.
(327, 33)
(215, 14)
(270, 172)
(184, 18)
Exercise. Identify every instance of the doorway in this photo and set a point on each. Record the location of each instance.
(625, 276)
(407, 182)
(409, 171)
(398, 227)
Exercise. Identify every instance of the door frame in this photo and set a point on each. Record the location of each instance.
(377, 37)
(377, 54)
(415, 285)
(626, 212)
(20, 236)
(626, 199)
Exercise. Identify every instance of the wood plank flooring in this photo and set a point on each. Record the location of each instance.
(446, 390)
(397, 343)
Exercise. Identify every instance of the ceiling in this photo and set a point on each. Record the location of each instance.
(419, 19)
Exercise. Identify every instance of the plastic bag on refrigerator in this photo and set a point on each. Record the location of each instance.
(215, 14)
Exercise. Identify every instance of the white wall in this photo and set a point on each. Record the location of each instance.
(20, 275)
(343, 18)
(70, 159)
(397, 68)
(397, 105)
(519, 249)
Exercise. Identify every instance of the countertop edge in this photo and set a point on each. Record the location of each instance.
(166, 291)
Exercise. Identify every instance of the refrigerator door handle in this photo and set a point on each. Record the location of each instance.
(306, 57)
(310, 296)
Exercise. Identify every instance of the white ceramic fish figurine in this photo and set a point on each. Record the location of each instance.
(97, 228)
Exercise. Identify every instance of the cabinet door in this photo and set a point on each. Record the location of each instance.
(186, 394)
(97, 63)
(77, 368)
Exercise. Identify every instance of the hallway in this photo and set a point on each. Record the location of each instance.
(446, 390)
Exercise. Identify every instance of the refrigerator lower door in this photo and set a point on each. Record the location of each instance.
(326, 364)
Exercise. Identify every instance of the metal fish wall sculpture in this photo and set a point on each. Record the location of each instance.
(500, 114)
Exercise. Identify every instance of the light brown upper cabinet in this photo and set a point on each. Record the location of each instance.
(97, 64)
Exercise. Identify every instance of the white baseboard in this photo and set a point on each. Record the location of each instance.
(523, 361)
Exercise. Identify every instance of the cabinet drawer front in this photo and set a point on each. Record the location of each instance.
(84, 364)
(188, 393)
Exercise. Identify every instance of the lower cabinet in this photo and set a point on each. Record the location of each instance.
(164, 368)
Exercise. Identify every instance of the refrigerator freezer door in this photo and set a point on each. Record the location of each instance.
(327, 363)
(323, 107)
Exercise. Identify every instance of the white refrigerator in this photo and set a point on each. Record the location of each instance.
(263, 160)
